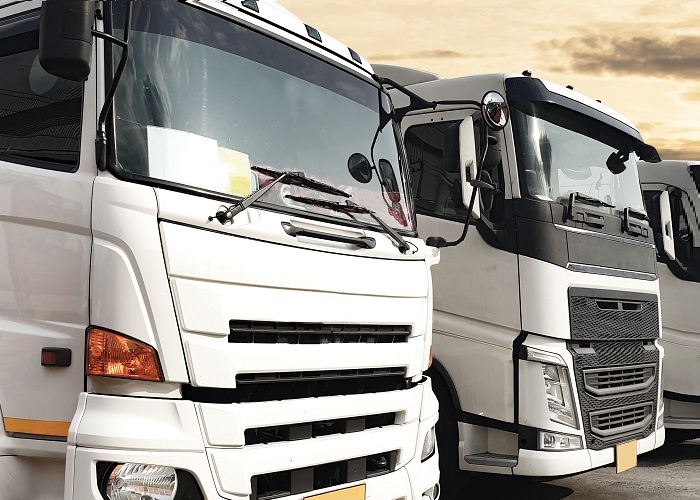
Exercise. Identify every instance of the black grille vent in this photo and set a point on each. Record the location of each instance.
(610, 381)
(298, 481)
(308, 430)
(266, 332)
(257, 387)
(615, 357)
(623, 420)
(610, 318)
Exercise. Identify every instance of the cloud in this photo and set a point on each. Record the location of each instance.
(689, 151)
(677, 58)
(692, 94)
(421, 54)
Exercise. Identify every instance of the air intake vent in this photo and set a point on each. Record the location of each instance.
(296, 432)
(294, 482)
(265, 332)
(622, 420)
(619, 380)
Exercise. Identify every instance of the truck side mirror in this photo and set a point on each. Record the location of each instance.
(467, 163)
(666, 228)
(65, 38)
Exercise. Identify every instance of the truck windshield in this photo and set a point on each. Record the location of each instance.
(203, 99)
(561, 152)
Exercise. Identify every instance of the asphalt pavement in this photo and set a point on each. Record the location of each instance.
(670, 472)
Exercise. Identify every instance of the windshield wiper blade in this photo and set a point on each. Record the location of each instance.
(226, 214)
(353, 208)
(584, 198)
(299, 179)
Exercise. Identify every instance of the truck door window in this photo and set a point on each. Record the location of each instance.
(40, 114)
(433, 156)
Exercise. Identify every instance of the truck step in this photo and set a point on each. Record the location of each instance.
(492, 459)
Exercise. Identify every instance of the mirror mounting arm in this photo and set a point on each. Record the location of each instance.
(101, 141)
(440, 242)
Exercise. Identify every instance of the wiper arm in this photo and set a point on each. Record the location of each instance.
(584, 198)
(299, 179)
(226, 214)
(353, 208)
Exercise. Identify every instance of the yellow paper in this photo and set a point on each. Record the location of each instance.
(354, 493)
(236, 166)
(626, 456)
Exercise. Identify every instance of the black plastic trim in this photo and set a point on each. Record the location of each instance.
(480, 420)
(449, 383)
(528, 438)
(685, 398)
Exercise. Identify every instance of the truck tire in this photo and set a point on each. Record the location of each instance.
(452, 479)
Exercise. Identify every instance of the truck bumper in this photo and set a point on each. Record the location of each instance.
(179, 434)
(562, 463)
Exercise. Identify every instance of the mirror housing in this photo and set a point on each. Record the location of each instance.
(647, 152)
(65, 38)
(494, 110)
(468, 162)
(666, 228)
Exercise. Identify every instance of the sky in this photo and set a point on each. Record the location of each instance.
(641, 58)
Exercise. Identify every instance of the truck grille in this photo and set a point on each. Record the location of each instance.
(615, 381)
(622, 420)
(279, 433)
(619, 380)
(268, 332)
(606, 315)
(258, 387)
(286, 483)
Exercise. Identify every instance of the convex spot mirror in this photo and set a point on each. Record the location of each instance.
(359, 168)
(494, 110)
(388, 179)
(65, 38)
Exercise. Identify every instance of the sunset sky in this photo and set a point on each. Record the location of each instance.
(641, 58)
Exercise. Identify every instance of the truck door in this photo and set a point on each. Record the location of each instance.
(45, 196)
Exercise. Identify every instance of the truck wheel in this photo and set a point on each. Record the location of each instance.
(452, 479)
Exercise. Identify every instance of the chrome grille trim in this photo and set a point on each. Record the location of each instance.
(619, 380)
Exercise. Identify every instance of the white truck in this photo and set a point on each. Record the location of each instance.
(676, 185)
(546, 317)
(207, 290)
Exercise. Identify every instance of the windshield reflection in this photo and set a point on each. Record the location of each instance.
(561, 152)
(204, 100)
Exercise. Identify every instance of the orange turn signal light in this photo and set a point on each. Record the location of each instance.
(110, 354)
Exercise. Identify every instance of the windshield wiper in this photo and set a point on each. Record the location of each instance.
(354, 208)
(584, 198)
(226, 214)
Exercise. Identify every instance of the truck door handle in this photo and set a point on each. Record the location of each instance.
(358, 241)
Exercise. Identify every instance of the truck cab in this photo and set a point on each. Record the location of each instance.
(679, 276)
(198, 297)
(546, 312)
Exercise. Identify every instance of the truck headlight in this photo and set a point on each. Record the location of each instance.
(428, 445)
(560, 398)
(139, 481)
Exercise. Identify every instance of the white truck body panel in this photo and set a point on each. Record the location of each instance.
(681, 320)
